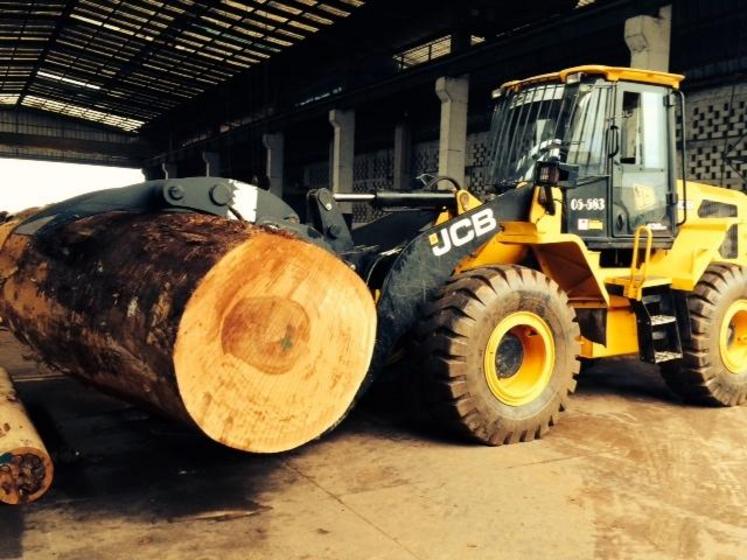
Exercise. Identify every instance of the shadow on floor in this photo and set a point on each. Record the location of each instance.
(625, 377)
(11, 532)
(391, 399)
(114, 459)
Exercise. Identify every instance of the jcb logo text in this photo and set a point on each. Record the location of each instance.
(463, 231)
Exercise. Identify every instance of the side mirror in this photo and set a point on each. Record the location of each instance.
(554, 173)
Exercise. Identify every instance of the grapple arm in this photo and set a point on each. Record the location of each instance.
(209, 195)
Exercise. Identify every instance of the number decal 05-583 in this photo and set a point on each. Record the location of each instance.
(588, 204)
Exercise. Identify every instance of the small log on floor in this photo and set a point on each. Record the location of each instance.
(26, 470)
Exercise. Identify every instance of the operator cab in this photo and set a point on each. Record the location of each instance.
(613, 129)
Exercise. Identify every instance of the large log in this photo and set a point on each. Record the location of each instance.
(260, 339)
(26, 469)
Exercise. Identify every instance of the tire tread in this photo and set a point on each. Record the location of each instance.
(695, 378)
(443, 386)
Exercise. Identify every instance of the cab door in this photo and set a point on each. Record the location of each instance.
(643, 184)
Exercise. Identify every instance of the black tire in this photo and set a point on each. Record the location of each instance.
(453, 337)
(701, 376)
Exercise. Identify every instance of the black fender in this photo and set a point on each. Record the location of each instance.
(426, 263)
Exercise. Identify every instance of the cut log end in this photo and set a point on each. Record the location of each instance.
(26, 474)
(260, 339)
(274, 344)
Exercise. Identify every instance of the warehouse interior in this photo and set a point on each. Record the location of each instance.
(357, 96)
(245, 90)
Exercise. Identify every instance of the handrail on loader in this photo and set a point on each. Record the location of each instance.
(638, 276)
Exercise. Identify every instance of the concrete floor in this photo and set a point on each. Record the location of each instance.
(628, 473)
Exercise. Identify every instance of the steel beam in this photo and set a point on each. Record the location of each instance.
(136, 150)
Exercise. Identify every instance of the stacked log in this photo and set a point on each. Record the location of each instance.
(259, 339)
(26, 469)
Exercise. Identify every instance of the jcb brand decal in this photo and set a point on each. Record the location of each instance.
(462, 231)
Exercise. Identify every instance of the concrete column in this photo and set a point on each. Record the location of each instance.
(454, 94)
(648, 40)
(461, 40)
(275, 145)
(343, 153)
(402, 156)
(169, 170)
(212, 163)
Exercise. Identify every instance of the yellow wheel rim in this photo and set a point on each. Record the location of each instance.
(733, 337)
(519, 358)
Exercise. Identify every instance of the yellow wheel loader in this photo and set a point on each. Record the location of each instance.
(614, 257)
(586, 247)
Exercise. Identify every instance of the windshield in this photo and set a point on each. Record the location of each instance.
(550, 120)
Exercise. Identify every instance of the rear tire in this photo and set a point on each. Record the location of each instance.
(499, 350)
(713, 370)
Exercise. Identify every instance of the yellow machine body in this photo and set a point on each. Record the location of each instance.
(565, 258)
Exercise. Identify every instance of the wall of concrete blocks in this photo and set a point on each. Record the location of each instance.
(375, 170)
(717, 127)
(477, 164)
(716, 124)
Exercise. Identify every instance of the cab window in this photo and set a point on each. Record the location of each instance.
(642, 181)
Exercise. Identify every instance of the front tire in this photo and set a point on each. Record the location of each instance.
(713, 370)
(499, 349)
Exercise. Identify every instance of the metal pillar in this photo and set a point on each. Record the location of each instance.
(454, 95)
(402, 156)
(169, 170)
(275, 145)
(343, 153)
(648, 39)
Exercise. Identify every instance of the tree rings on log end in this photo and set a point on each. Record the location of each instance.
(274, 344)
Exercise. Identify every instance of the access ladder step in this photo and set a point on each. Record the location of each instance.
(660, 357)
(658, 320)
(658, 326)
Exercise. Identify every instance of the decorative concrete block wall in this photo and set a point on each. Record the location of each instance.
(717, 127)
(716, 124)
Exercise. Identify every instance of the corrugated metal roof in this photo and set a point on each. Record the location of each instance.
(124, 63)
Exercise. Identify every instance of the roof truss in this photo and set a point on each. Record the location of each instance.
(126, 63)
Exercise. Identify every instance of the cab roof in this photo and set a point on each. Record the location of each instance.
(611, 73)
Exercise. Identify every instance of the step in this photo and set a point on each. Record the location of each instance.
(651, 298)
(648, 282)
(658, 320)
(660, 357)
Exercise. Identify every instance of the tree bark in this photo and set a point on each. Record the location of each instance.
(26, 469)
(260, 339)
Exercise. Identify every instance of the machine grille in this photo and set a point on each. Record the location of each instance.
(714, 209)
(730, 247)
